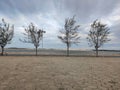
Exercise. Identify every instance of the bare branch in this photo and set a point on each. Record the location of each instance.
(6, 34)
(98, 34)
(33, 35)
(69, 35)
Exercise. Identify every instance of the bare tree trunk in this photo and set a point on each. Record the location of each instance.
(96, 51)
(97, 46)
(36, 50)
(68, 50)
(2, 53)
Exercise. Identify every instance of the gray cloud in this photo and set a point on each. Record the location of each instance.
(50, 14)
(80, 7)
(115, 29)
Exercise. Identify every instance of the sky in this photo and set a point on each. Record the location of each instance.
(50, 16)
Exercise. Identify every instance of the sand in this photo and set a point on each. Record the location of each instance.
(59, 73)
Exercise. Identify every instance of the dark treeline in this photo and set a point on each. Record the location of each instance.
(98, 35)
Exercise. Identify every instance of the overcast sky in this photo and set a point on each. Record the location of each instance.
(50, 16)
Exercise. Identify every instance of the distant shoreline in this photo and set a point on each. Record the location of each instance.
(58, 52)
(63, 49)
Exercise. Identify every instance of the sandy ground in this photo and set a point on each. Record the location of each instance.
(59, 73)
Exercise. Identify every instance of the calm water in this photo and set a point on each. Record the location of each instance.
(58, 52)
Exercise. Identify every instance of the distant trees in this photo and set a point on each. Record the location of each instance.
(6, 34)
(34, 36)
(98, 35)
(69, 35)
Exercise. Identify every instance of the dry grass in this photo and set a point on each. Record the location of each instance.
(59, 73)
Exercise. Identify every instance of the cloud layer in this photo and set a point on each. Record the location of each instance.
(50, 15)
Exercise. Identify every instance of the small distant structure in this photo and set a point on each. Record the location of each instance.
(43, 37)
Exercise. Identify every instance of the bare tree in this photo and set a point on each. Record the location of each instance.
(69, 35)
(98, 35)
(34, 36)
(6, 34)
